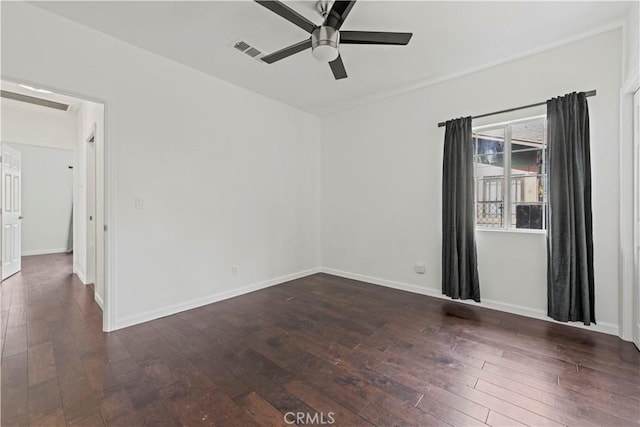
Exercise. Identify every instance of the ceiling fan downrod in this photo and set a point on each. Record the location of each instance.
(323, 7)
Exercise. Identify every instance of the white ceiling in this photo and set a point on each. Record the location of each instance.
(449, 38)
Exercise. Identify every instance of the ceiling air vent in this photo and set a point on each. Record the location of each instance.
(247, 49)
(34, 100)
(242, 46)
(252, 52)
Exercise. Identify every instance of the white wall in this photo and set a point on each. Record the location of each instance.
(228, 177)
(47, 196)
(381, 179)
(632, 41)
(35, 125)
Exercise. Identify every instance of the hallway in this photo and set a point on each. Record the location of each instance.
(53, 348)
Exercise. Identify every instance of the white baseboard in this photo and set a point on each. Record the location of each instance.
(607, 328)
(81, 276)
(98, 299)
(44, 252)
(198, 302)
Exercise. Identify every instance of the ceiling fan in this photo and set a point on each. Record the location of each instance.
(325, 39)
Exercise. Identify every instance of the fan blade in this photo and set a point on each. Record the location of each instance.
(289, 14)
(287, 51)
(338, 68)
(338, 13)
(374, 37)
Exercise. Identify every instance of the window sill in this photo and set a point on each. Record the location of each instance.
(513, 230)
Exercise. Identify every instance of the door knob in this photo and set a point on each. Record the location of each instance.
(20, 217)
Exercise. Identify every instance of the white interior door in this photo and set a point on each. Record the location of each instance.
(636, 217)
(12, 213)
(91, 209)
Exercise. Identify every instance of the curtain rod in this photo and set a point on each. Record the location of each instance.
(587, 94)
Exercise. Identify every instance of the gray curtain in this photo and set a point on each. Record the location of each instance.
(459, 257)
(570, 285)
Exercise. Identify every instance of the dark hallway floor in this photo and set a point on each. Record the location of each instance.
(354, 353)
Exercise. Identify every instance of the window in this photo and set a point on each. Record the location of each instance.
(511, 156)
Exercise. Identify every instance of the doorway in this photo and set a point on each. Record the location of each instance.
(91, 208)
(44, 121)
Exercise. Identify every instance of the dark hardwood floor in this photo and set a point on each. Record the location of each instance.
(336, 349)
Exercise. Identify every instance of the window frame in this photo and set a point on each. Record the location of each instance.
(507, 211)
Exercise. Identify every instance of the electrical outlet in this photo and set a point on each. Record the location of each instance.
(234, 270)
(419, 268)
(139, 202)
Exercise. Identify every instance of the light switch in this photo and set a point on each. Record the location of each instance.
(139, 202)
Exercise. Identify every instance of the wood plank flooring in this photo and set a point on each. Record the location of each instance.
(335, 349)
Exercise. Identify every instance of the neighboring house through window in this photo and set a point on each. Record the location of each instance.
(510, 155)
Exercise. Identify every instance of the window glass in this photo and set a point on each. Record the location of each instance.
(489, 172)
(509, 168)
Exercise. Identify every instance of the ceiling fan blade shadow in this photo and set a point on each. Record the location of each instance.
(374, 37)
(287, 51)
(289, 14)
(338, 13)
(337, 67)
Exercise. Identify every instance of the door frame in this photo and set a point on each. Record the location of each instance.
(107, 220)
(628, 294)
(90, 140)
(636, 219)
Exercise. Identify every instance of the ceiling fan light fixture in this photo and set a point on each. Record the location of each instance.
(325, 53)
(324, 44)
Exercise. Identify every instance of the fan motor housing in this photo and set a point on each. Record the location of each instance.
(324, 43)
